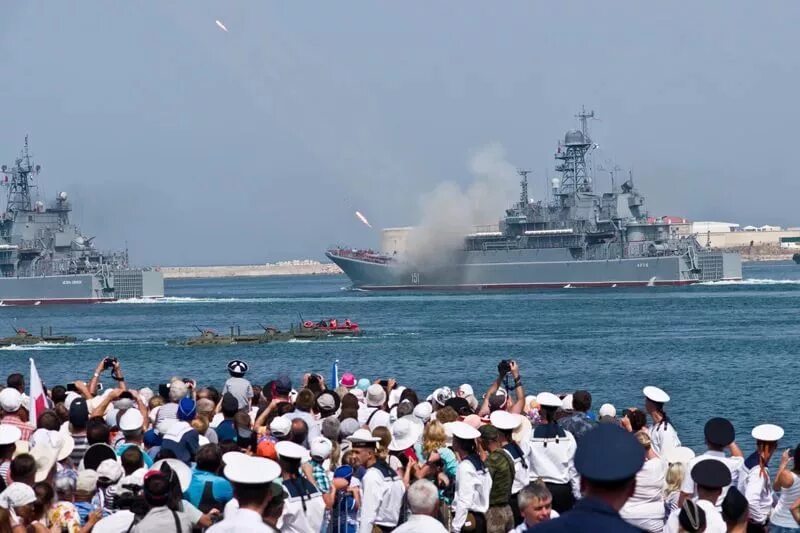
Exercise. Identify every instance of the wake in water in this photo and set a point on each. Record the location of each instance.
(184, 300)
(752, 281)
(37, 347)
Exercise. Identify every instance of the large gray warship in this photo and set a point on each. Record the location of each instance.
(579, 238)
(44, 259)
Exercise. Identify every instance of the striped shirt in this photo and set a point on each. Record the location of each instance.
(81, 445)
(25, 428)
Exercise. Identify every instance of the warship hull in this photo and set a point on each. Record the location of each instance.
(535, 269)
(81, 288)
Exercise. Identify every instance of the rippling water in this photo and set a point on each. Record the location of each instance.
(721, 349)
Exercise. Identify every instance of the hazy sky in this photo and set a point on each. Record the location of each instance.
(198, 146)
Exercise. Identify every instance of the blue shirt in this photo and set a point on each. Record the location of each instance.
(226, 430)
(221, 489)
(589, 515)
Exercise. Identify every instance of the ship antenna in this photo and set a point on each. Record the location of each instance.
(19, 190)
(523, 182)
(584, 118)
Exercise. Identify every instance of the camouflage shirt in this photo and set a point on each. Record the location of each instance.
(578, 424)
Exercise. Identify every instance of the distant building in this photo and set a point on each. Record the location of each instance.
(702, 228)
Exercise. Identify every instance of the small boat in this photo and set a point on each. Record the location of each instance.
(332, 327)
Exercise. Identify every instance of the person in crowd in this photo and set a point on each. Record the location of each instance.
(14, 414)
(691, 518)
(676, 461)
(607, 459)
(182, 440)
(17, 509)
(9, 435)
(754, 478)
(662, 433)
(303, 508)
(645, 508)
(131, 423)
(536, 505)
(473, 482)
(346, 503)
(78, 419)
(787, 485)
(237, 385)
(734, 512)
(252, 479)
(226, 429)
(371, 414)
(493, 401)
(710, 477)
(634, 420)
(579, 423)
(719, 436)
(499, 518)
(607, 414)
(552, 453)
(506, 423)
(382, 489)
(162, 494)
(208, 490)
(23, 469)
(423, 502)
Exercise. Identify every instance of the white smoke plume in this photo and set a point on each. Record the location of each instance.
(451, 211)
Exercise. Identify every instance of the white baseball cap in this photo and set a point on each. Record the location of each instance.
(608, 410)
(320, 448)
(10, 400)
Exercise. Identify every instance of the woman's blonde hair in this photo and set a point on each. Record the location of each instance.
(382, 450)
(674, 478)
(644, 439)
(200, 424)
(433, 437)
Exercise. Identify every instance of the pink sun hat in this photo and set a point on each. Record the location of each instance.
(348, 380)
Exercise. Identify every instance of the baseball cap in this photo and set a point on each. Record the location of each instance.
(10, 400)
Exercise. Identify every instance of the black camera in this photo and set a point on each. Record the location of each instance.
(109, 362)
(504, 367)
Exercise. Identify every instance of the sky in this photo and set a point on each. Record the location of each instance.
(193, 146)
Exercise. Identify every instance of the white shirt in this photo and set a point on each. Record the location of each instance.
(521, 472)
(663, 438)
(420, 523)
(381, 498)
(782, 514)
(296, 519)
(645, 508)
(734, 464)
(552, 460)
(472, 493)
(523, 527)
(714, 521)
(758, 492)
(241, 520)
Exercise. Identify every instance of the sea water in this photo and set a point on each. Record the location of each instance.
(718, 349)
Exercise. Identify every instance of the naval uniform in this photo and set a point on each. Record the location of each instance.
(589, 515)
(734, 464)
(663, 437)
(303, 508)
(473, 485)
(382, 493)
(757, 488)
(518, 453)
(714, 521)
(551, 458)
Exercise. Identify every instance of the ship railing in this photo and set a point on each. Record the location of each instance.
(362, 255)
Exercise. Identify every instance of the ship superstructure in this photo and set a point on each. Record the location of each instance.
(578, 238)
(44, 258)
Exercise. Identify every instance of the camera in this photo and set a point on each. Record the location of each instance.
(504, 367)
(109, 362)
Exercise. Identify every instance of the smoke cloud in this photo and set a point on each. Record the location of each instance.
(451, 211)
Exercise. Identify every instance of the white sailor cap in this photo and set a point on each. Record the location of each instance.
(679, 454)
(655, 394)
(548, 399)
(290, 450)
(237, 366)
(9, 434)
(250, 470)
(131, 420)
(363, 438)
(464, 431)
(505, 420)
(767, 433)
(228, 458)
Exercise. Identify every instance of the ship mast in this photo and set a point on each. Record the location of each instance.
(21, 182)
(523, 183)
(571, 157)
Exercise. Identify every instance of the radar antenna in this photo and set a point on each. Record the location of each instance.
(21, 182)
(523, 183)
